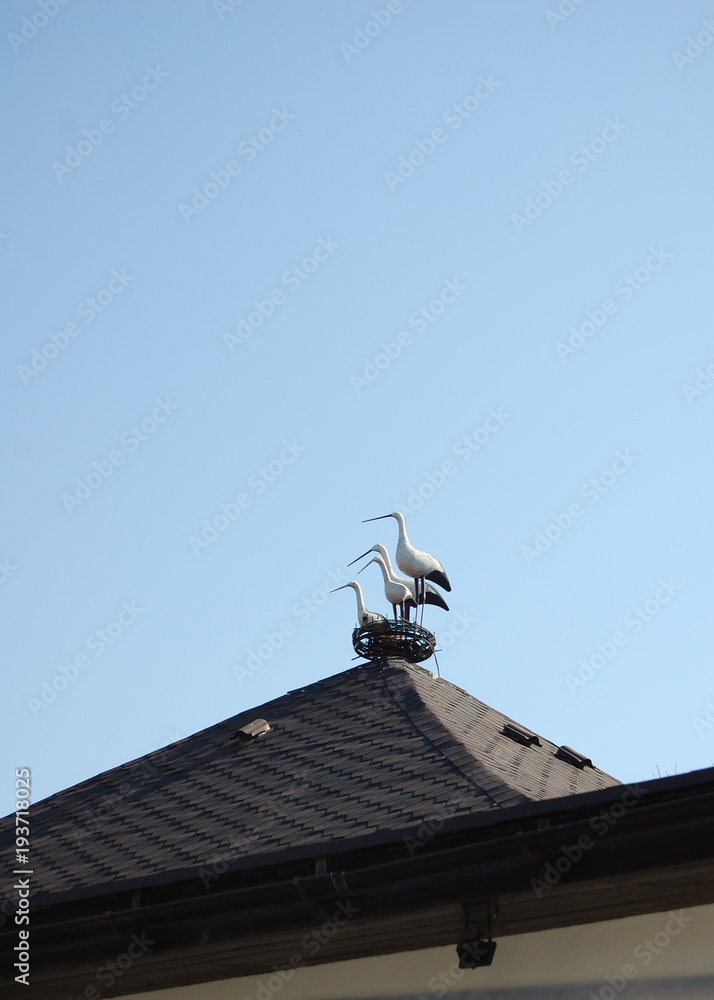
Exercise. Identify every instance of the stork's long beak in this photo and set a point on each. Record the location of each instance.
(343, 587)
(362, 556)
(376, 518)
(367, 564)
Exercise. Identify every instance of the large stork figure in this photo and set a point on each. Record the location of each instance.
(420, 566)
(432, 594)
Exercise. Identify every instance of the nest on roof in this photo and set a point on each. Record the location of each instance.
(401, 638)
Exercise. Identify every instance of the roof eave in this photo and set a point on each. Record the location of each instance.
(667, 832)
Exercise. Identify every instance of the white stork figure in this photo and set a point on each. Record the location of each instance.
(364, 617)
(398, 594)
(432, 594)
(420, 566)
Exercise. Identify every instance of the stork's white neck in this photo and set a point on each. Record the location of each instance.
(399, 518)
(380, 562)
(360, 600)
(381, 549)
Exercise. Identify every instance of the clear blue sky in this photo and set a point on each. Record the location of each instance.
(286, 265)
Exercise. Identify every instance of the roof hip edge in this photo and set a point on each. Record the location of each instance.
(400, 681)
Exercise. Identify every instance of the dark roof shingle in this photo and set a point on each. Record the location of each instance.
(383, 746)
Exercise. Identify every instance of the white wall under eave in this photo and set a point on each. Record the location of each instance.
(665, 950)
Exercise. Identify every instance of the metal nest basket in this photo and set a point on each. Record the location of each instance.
(394, 638)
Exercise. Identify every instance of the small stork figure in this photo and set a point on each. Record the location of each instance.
(398, 594)
(432, 594)
(364, 617)
(420, 566)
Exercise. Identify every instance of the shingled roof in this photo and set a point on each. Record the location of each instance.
(371, 751)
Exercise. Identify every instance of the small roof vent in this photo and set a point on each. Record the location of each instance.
(252, 731)
(571, 756)
(520, 735)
